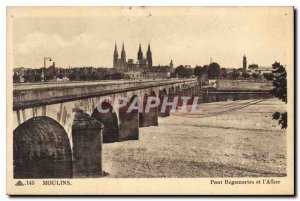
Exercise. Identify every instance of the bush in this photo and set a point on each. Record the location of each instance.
(245, 75)
(268, 76)
(254, 75)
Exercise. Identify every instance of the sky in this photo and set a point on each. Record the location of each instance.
(189, 36)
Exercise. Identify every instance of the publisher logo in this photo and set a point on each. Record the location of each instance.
(19, 183)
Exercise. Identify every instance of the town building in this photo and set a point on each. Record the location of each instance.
(255, 68)
(252, 66)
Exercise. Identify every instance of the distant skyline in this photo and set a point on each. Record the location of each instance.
(188, 36)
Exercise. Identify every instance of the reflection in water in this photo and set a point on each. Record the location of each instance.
(217, 97)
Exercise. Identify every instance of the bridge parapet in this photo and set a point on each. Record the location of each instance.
(28, 96)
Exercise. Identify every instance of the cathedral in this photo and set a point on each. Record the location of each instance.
(124, 65)
(142, 67)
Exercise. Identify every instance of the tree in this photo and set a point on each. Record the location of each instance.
(282, 119)
(235, 74)
(82, 76)
(73, 76)
(116, 76)
(280, 91)
(173, 75)
(268, 76)
(16, 78)
(36, 78)
(279, 82)
(213, 70)
(95, 75)
(198, 71)
(223, 73)
(183, 72)
(60, 76)
(205, 68)
(106, 76)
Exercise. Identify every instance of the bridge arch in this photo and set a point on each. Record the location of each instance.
(152, 94)
(41, 149)
(163, 92)
(109, 120)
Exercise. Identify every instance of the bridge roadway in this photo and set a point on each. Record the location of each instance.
(29, 95)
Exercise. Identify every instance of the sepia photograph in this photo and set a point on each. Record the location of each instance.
(150, 100)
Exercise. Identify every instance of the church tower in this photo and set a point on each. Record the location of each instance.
(123, 54)
(244, 63)
(149, 56)
(116, 56)
(171, 64)
(140, 55)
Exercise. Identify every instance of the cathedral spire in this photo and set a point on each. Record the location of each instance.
(149, 56)
(116, 49)
(116, 55)
(140, 53)
(123, 53)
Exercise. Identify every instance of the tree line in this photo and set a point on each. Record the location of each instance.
(214, 71)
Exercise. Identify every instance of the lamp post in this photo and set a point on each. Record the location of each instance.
(43, 76)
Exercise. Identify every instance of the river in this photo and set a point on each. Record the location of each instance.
(242, 142)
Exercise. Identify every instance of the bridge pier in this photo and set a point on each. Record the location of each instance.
(172, 95)
(148, 118)
(110, 121)
(187, 92)
(180, 93)
(196, 90)
(163, 95)
(87, 146)
(129, 124)
(165, 113)
(193, 91)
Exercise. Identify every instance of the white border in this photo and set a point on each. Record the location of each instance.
(5, 3)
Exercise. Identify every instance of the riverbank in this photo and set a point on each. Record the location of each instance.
(245, 142)
(244, 85)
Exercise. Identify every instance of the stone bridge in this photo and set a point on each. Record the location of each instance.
(60, 122)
